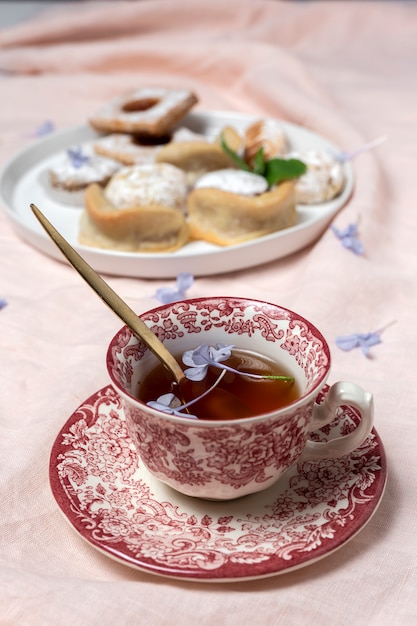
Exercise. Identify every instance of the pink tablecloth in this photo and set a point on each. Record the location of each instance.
(344, 69)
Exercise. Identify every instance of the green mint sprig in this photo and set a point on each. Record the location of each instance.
(273, 170)
(234, 156)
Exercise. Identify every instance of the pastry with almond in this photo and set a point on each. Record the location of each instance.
(268, 135)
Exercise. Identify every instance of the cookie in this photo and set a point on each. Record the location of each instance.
(148, 111)
(79, 166)
(323, 180)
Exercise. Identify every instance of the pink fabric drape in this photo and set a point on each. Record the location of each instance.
(343, 69)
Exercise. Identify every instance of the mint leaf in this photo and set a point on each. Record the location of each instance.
(278, 170)
(259, 162)
(234, 156)
(274, 171)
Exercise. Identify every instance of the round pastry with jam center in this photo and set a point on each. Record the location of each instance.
(148, 111)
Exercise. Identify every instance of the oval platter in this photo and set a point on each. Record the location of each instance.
(21, 183)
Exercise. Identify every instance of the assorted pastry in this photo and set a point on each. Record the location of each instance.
(150, 184)
(72, 171)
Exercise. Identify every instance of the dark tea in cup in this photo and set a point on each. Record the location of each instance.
(238, 393)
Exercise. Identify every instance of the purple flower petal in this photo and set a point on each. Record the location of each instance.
(349, 238)
(3, 303)
(197, 357)
(169, 403)
(368, 340)
(364, 341)
(196, 373)
(198, 360)
(348, 342)
(221, 352)
(184, 282)
(163, 403)
(166, 295)
(201, 357)
(77, 158)
(44, 129)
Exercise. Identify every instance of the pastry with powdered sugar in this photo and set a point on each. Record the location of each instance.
(140, 210)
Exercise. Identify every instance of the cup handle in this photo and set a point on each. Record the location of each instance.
(340, 394)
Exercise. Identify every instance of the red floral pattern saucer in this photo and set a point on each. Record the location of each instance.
(113, 502)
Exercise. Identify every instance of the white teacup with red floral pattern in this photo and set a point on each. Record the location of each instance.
(225, 459)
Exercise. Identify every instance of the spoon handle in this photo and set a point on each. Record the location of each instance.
(110, 297)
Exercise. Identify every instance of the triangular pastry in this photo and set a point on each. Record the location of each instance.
(198, 156)
(226, 218)
(151, 228)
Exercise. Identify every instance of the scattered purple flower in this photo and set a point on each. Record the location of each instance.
(77, 158)
(45, 128)
(348, 156)
(3, 303)
(364, 341)
(166, 295)
(349, 238)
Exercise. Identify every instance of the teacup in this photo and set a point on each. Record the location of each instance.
(224, 459)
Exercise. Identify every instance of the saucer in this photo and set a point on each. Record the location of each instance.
(118, 507)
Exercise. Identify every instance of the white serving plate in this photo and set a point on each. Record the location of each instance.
(21, 184)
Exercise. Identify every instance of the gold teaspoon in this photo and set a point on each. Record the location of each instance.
(110, 297)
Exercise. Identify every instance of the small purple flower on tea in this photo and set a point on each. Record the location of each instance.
(167, 295)
(169, 403)
(3, 303)
(203, 356)
(77, 158)
(200, 358)
(349, 238)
